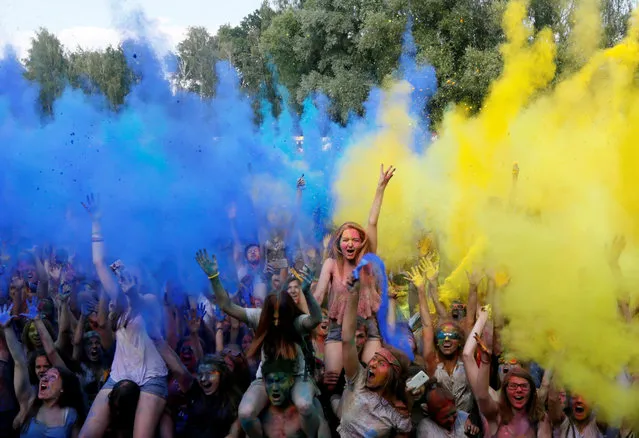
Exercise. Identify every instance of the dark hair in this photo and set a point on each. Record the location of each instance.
(249, 246)
(395, 386)
(276, 334)
(33, 355)
(278, 366)
(532, 409)
(70, 397)
(229, 392)
(123, 402)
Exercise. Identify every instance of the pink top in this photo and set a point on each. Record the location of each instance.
(369, 297)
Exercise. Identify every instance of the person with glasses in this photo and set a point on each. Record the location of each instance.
(517, 413)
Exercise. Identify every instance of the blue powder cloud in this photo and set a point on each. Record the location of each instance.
(168, 165)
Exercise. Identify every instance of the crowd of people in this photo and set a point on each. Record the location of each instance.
(296, 350)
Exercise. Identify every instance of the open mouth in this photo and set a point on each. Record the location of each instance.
(43, 386)
(519, 398)
(370, 375)
(447, 344)
(350, 252)
(580, 409)
(275, 397)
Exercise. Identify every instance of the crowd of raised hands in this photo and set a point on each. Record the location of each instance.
(98, 348)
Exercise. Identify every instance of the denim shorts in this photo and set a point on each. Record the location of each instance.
(157, 386)
(335, 330)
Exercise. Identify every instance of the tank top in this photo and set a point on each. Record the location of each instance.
(136, 357)
(369, 298)
(457, 384)
(37, 429)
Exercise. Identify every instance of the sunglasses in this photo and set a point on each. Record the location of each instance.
(442, 336)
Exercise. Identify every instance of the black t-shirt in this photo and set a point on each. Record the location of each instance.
(206, 415)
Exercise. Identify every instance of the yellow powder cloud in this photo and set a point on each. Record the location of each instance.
(577, 145)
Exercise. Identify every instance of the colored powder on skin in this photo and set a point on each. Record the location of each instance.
(576, 144)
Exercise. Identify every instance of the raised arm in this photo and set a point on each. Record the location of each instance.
(24, 391)
(78, 336)
(424, 272)
(471, 307)
(349, 325)
(479, 376)
(97, 248)
(324, 281)
(429, 265)
(314, 309)
(210, 268)
(173, 362)
(384, 177)
(104, 327)
(194, 319)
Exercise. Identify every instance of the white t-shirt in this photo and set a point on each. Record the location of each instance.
(366, 414)
(427, 428)
(136, 357)
(253, 320)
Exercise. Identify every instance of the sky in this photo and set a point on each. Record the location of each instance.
(95, 24)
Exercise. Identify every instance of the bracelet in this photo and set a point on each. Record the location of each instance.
(211, 277)
(97, 239)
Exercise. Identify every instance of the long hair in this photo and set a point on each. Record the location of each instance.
(336, 250)
(228, 392)
(277, 341)
(533, 411)
(394, 390)
(25, 333)
(71, 397)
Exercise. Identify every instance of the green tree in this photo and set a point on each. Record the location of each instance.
(197, 55)
(103, 72)
(46, 65)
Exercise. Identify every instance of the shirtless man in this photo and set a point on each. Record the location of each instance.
(281, 419)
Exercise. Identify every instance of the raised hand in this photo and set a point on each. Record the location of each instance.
(307, 277)
(92, 206)
(385, 176)
(616, 249)
(5, 315)
(231, 211)
(474, 277)
(32, 309)
(301, 183)
(430, 266)
(208, 264)
(64, 293)
(416, 276)
(53, 271)
(194, 317)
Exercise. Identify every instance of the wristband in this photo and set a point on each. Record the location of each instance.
(211, 277)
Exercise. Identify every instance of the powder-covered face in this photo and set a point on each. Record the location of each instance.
(448, 339)
(42, 365)
(253, 255)
(187, 355)
(580, 409)
(350, 243)
(322, 328)
(506, 367)
(442, 409)
(208, 377)
(377, 372)
(50, 385)
(518, 392)
(278, 388)
(34, 337)
(93, 348)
